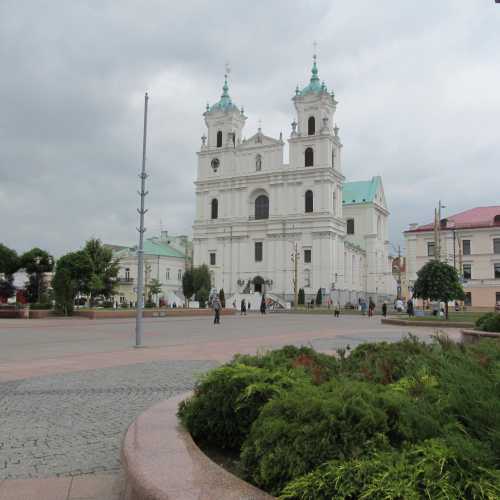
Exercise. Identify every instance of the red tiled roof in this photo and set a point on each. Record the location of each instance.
(473, 218)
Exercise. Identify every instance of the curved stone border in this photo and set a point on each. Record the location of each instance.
(437, 323)
(469, 336)
(161, 461)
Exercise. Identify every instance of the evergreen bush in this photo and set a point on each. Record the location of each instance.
(489, 322)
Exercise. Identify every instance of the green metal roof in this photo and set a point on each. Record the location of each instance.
(314, 85)
(360, 191)
(154, 246)
(225, 103)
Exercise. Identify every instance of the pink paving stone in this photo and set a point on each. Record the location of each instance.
(35, 489)
(105, 486)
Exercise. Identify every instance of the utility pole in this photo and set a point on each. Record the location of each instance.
(399, 271)
(140, 252)
(295, 260)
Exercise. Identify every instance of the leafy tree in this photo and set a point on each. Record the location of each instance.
(202, 296)
(36, 262)
(301, 297)
(154, 288)
(319, 297)
(71, 277)
(187, 285)
(222, 297)
(104, 269)
(440, 282)
(9, 260)
(202, 279)
(9, 264)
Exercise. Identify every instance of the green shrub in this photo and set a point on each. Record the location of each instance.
(489, 322)
(384, 362)
(38, 305)
(227, 401)
(307, 426)
(320, 367)
(432, 469)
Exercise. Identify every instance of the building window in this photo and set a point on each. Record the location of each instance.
(466, 247)
(467, 271)
(496, 268)
(311, 126)
(127, 274)
(212, 258)
(219, 139)
(215, 164)
(307, 278)
(431, 249)
(309, 201)
(215, 208)
(258, 251)
(350, 226)
(307, 256)
(497, 298)
(309, 157)
(262, 207)
(258, 163)
(179, 275)
(468, 299)
(167, 274)
(496, 245)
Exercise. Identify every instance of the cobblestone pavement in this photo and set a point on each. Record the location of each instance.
(73, 424)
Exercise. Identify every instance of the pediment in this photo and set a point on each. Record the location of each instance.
(260, 140)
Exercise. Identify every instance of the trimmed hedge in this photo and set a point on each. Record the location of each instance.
(489, 322)
(400, 420)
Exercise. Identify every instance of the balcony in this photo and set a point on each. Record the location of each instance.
(124, 281)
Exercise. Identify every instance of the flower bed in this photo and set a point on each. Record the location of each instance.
(401, 420)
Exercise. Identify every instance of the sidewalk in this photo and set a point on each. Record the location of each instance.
(87, 487)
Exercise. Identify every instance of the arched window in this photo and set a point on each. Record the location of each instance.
(258, 163)
(309, 201)
(309, 157)
(215, 208)
(219, 139)
(262, 207)
(311, 126)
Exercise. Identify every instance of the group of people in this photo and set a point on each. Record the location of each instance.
(244, 307)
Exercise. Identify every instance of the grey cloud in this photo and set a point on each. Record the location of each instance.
(417, 84)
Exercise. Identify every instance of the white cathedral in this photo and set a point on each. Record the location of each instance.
(256, 215)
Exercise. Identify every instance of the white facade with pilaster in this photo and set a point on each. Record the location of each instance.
(252, 208)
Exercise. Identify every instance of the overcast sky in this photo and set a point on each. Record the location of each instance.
(418, 85)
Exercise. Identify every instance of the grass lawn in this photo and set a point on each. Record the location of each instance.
(453, 316)
(323, 310)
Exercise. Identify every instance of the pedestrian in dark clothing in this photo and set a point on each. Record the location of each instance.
(217, 306)
(263, 305)
(384, 309)
(371, 308)
(243, 307)
(409, 308)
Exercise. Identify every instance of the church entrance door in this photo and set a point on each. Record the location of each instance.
(258, 284)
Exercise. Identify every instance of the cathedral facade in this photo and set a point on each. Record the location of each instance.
(261, 222)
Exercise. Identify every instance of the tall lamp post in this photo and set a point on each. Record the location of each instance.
(140, 251)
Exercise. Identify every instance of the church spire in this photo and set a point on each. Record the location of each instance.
(314, 70)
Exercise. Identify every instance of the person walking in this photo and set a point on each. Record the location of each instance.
(337, 310)
(371, 308)
(384, 309)
(243, 308)
(409, 308)
(217, 306)
(263, 305)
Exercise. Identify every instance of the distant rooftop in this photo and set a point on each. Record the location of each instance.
(469, 219)
(157, 246)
